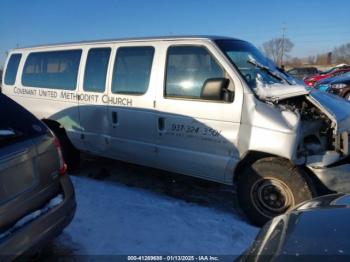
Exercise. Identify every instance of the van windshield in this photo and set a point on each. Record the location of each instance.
(252, 64)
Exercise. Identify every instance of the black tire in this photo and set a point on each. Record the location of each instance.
(270, 187)
(71, 155)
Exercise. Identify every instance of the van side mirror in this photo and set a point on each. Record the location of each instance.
(216, 89)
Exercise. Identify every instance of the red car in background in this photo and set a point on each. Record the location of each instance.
(335, 71)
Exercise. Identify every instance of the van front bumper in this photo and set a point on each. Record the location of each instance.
(335, 178)
(39, 232)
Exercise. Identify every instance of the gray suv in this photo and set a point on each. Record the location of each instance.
(37, 198)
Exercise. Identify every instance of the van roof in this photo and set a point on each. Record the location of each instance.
(136, 39)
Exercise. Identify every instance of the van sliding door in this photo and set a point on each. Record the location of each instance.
(92, 107)
(130, 105)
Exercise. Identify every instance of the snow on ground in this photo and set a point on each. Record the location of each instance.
(115, 219)
(129, 213)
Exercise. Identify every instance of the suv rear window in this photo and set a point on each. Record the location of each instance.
(12, 68)
(19, 124)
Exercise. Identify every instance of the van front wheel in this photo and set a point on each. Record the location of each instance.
(270, 187)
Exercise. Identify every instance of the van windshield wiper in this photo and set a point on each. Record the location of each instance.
(267, 69)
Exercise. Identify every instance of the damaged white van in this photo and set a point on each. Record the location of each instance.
(209, 107)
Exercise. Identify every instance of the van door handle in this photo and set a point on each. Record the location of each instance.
(114, 118)
(161, 123)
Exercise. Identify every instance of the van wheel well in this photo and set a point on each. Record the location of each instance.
(70, 154)
(52, 124)
(270, 187)
(253, 156)
(249, 159)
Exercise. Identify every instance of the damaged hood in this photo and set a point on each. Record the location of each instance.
(277, 92)
(336, 108)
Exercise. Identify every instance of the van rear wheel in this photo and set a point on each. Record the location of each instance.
(270, 187)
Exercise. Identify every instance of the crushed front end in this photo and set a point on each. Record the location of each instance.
(323, 132)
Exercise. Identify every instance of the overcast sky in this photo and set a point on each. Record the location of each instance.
(313, 26)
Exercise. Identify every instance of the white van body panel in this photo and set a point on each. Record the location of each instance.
(47, 103)
(210, 153)
(93, 116)
(201, 138)
(132, 137)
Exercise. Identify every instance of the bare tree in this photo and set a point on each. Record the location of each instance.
(277, 48)
(341, 54)
(293, 62)
(311, 59)
(322, 59)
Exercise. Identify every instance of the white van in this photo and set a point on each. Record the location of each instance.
(209, 107)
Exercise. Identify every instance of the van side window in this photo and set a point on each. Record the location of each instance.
(57, 69)
(12, 68)
(188, 67)
(96, 69)
(132, 70)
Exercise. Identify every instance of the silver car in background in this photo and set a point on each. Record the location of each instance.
(37, 198)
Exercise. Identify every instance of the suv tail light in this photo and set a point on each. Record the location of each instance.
(63, 165)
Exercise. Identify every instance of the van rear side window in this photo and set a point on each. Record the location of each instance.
(132, 70)
(58, 69)
(12, 68)
(96, 69)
